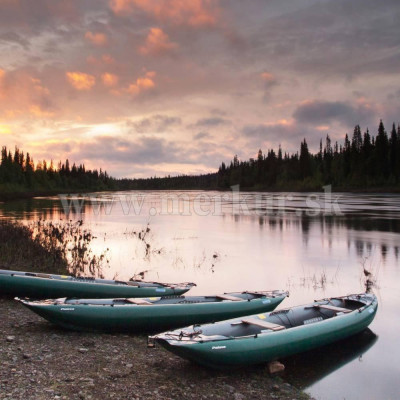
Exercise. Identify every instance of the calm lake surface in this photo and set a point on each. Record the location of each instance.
(314, 245)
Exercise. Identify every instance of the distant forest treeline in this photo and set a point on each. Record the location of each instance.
(19, 174)
(363, 161)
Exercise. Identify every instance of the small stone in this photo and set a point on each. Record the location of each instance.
(275, 366)
(26, 356)
(129, 365)
(229, 388)
(238, 396)
(83, 350)
(276, 388)
(10, 338)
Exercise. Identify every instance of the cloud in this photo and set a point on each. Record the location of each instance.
(109, 79)
(209, 122)
(81, 80)
(37, 111)
(201, 135)
(194, 13)
(43, 14)
(144, 150)
(319, 112)
(96, 38)
(155, 124)
(23, 94)
(288, 134)
(13, 37)
(157, 42)
(142, 84)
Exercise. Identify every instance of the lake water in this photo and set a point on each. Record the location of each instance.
(314, 245)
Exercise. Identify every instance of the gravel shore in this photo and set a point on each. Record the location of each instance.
(40, 361)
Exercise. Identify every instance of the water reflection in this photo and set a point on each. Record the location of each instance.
(360, 217)
(329, 228)
(304, 370)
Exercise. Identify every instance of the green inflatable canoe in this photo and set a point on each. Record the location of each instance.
(45, 286)
(151, 314)
(265, 337)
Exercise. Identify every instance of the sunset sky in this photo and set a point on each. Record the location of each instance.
(155, 87)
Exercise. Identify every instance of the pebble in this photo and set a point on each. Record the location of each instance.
(83, 350)
(229, 388)
(10, 338)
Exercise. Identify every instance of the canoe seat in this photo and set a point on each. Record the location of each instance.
(139, 302)
(333, 308)
(263, 324)
(228, 297)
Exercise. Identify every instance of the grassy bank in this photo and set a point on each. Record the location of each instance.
(45, 246)
(18, 250)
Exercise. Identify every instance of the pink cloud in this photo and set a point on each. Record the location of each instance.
(97, 38)
(143, 83)
(109, 79)
(80, 80)
(195, 13)
(157, 42)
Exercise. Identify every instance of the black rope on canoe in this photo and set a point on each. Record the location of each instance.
(183, 334)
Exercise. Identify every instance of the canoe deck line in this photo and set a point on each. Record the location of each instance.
(151, 314)
(269, 336)
(40, 286)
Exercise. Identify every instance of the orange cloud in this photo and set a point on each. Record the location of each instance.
(157, 42)
(109, 79)
(80, 80)
(194, 13)
(99, 39)
(37, 111)
(142, 84)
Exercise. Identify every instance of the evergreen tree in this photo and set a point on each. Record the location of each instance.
(393, 151)
(382, 152)
(305, 160)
